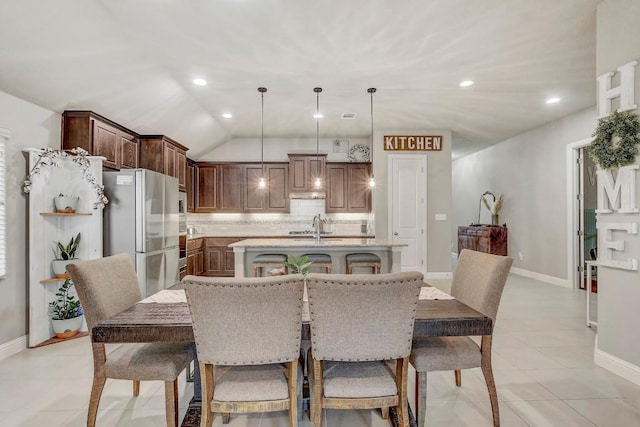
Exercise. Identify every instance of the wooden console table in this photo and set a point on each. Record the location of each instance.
(491, 239)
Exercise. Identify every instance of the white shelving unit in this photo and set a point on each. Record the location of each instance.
(46, 227)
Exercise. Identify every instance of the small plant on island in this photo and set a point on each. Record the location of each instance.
(67, 252)
(65, 306)
(300, 265)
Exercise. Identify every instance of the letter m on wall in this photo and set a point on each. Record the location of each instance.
(619, 195)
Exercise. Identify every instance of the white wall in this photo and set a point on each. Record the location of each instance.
(618, 343)
(529, 170)
(30, 126)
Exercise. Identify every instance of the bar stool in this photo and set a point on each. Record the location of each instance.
(320, 261)
(364, 260)
(268, 260)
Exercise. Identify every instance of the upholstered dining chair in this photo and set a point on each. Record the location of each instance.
(247, 334)
(478, 281)
(359, 322)
(107, 286)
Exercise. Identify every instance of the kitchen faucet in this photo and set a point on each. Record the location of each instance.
(317, 224)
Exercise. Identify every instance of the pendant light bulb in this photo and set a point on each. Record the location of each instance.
(372, 181)
(262, 183)
(317, 183)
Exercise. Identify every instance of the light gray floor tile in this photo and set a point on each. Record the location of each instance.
(549, 413)
(607, 412)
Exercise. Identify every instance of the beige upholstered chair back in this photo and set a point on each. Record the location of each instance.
(105, 286)
(479, 279)
(359, 317)
(246, 321)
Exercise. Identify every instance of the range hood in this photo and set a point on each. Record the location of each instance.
(307, 195)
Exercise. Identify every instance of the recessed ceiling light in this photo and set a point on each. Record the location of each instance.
(227, 115)
(317, 116)
(552, 100)
(200, 82)
(466, 83)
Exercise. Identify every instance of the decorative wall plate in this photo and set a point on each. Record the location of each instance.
(359, 153)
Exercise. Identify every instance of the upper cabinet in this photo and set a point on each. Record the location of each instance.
(303, 169)
(162, 154)
(348, 187)
(275, 196)
(233, 187)
(100, 137)
(191, 185)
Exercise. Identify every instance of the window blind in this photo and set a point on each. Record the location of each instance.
(3, 207)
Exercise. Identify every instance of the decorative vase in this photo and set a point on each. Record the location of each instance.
(66, 204)
(495, 219)
(59, 267)
(66, 328)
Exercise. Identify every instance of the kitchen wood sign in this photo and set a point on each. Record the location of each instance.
(413, 143)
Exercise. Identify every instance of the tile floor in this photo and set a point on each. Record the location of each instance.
(543, 364)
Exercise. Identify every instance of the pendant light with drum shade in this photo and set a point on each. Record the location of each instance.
(317, 182)
(372, 181)
(262, 183)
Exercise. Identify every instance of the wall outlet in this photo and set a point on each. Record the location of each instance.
(520, 256)
(441, 217)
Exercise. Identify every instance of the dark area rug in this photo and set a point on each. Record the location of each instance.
(192, 417)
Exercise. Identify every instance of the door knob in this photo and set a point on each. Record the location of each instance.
(395, 233)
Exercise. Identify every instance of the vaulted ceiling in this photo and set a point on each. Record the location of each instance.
(134, 62)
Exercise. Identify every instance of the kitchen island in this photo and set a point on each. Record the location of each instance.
(246, 250)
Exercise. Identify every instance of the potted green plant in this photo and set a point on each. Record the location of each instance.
(300, 265)
(66, 312)
(64, 254)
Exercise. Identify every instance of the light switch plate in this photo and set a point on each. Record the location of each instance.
(441, 217)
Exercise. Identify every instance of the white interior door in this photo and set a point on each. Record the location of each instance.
(408, 208)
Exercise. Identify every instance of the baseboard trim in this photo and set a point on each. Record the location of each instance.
(442, 275)
(618, 366)
(12, 347)
(541, 277)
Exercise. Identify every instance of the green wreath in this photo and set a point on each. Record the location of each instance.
(604, 152)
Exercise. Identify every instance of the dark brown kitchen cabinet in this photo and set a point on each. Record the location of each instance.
(100, 137)
(230, 187)
(162, 154)
(218, 256)
(348, 187)
(304, 169)
(491, 239)
(233, 187)
(206, 188)
(275, 196)
(191, 185)
(195, 256)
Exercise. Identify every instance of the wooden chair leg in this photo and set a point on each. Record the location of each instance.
(171, 402)
(96, 392)
(421, 399)
(487, 371)
(316, 401)
(136, 388)
(402, 372)
(293, 393)
(458, 375)
(206, 385)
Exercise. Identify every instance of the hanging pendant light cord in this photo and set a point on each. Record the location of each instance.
(317, 90)
(262, 182)
(372, 181)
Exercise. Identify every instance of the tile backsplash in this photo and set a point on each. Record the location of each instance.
(299, 218)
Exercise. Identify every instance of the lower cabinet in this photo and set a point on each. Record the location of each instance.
(218, 256)
(195, 257)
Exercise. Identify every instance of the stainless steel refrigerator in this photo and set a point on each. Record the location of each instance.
(141, 220)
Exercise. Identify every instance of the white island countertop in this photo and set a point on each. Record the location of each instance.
(325, 242)
(246, 250)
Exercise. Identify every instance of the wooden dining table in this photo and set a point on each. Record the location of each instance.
(171, 322)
